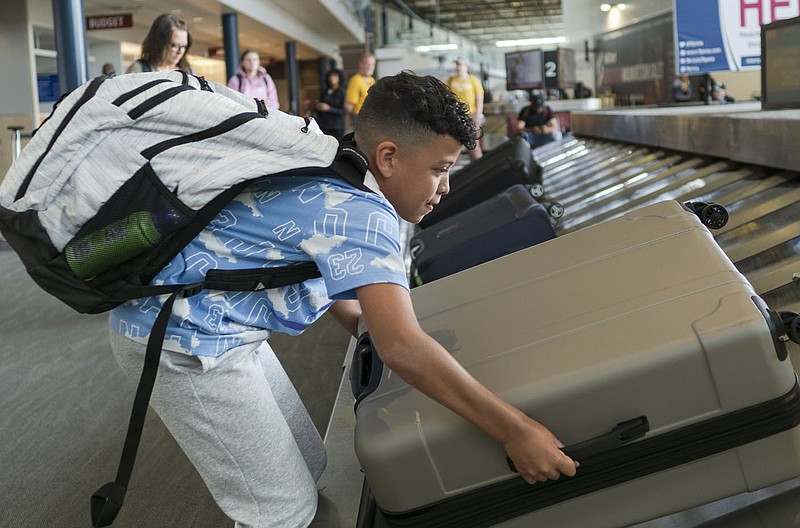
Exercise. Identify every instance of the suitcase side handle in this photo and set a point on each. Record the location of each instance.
(620, 435)
(366, 369)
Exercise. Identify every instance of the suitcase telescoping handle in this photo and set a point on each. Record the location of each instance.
(621, 434)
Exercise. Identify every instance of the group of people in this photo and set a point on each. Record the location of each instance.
(710, 90)
(536, 122)
(168, 41)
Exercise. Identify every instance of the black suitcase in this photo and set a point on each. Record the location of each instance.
(508, 164)
(503, 224)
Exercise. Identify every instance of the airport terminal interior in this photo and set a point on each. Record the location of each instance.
(627, 143)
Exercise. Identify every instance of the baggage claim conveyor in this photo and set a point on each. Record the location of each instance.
(735, 155)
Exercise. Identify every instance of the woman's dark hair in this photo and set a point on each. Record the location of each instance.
(410, 109)
(333, 72)
(156, 45)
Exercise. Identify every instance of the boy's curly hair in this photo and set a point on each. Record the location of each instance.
(410, 109)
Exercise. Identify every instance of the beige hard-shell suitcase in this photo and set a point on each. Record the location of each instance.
(636, 341)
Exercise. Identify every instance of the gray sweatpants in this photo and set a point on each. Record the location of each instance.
(241, 423)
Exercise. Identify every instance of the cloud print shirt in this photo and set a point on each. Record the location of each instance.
(352, 235)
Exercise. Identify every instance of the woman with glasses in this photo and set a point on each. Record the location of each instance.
(165, 46)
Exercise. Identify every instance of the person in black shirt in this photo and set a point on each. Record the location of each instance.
(538, 122)
(330, 106)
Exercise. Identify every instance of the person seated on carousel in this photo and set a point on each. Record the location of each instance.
(719, 93)
(538, 123)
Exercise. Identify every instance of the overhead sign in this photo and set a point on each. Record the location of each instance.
(47, 86)
(559, 68)
(724, 35)
(109, 21)
(635, 62)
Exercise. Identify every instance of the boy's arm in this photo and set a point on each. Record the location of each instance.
(347, 314)
(419, 360)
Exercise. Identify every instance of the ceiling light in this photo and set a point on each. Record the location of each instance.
(612, 5)
(605, 7)
(436, 47)
(530, 42)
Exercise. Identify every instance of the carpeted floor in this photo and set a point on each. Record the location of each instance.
(64, 409)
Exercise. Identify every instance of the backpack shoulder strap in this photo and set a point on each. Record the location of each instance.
(350, 164)
(241, 80)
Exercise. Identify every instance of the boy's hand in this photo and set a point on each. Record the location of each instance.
(537, 455)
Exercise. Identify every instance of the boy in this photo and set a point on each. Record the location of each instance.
(213, 390)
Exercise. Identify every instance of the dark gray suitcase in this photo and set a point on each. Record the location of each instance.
(503, 224)
(636, 341)
(508, 164)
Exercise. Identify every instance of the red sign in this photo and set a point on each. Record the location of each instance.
(109, 21)
(216, 53)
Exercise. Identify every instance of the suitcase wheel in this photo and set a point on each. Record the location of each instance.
(537, 190)
(791, 322)
(712, 215)
(556, 210)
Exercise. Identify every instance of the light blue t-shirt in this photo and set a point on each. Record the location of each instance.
(352, 235)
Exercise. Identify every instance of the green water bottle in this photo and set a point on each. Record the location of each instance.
(112, 245)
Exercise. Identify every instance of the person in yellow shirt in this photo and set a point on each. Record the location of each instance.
(358, 86)
(469, 89)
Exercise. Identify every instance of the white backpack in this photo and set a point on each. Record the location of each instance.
(123, 174)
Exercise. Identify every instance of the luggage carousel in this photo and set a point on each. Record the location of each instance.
(622, 160)
(596, 180)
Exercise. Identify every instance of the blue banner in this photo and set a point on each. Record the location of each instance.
(724, 35)
(47, 86)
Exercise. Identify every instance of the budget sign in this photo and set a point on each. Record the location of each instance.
(724, 35)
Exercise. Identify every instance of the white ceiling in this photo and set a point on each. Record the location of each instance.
(309, 23)
(319, 27)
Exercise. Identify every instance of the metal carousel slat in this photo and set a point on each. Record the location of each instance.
(761, 204)
(617, 161)
(553, 152)
(577, 158)
(640, 195)
(762, 234)
(596, 207)
(754, 182)
(708, 186)
(775, 276)
(601, 181)
(774, 257)
(578, 165)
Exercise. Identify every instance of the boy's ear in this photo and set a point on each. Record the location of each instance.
(386, 157)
